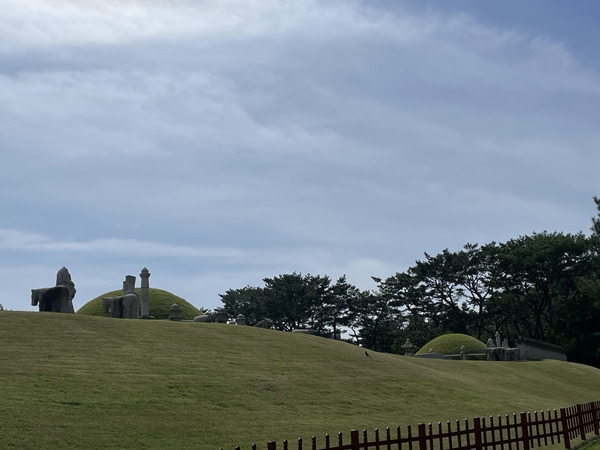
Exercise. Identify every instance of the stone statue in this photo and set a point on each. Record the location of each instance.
(125, 306)
(498, 340)
(265, 323)
(175, 312)
(408, 347)
(219, 315)
(54, 299)
(63, 278)
(58, 298)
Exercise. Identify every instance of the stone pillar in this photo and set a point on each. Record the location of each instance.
(144, 275)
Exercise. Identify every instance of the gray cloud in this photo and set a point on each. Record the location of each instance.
(221, 142)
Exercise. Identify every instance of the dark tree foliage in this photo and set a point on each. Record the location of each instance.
(544, 286)
(295, 301)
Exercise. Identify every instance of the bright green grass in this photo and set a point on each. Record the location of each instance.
(73, 381)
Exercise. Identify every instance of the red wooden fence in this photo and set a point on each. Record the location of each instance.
(524, 431)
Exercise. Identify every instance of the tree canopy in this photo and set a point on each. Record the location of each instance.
(544, 286)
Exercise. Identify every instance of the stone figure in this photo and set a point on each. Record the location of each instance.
(175, 312)
(125, 306)
(63, 278)
(408, 347)
(219, 316)
(490, 343)
(240, 319)
(265, 323)
(54, 299)
(204, 318)
(498, 340)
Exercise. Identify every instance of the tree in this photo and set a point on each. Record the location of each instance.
(536, 273)
(248, 301)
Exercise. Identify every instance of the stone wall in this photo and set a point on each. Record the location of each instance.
(533, 349)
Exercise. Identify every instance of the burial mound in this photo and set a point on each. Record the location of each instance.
(160, 304)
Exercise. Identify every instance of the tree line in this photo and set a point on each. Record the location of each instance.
(544, 286)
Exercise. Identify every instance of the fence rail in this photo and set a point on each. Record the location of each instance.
(524, 431)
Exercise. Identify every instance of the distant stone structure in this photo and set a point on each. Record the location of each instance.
(220, 316)
(265, 323)
(408, 347)
(501, 351)
(53, 299)
(240, 319)
(58, 298)
(63, 278)
(175, 312)
(125, 306)
(144, 275)
(534, 349)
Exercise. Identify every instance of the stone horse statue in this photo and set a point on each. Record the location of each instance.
(54, 299)
(58, 298)
(126, 305)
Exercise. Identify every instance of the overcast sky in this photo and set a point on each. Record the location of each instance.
(221, 142)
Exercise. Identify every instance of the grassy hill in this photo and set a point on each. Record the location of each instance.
(75, 381)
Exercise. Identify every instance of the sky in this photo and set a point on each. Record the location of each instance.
(221, 142)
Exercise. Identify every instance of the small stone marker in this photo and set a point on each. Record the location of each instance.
(408, 348)
(175, 313)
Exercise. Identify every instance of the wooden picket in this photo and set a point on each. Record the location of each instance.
(525, 431)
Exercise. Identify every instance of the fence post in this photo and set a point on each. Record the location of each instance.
(525, 431)
(354, 439)
(581, 421)
(422, 437)
(477, 431)
(271, 445)
(595, 416)
(565, 428)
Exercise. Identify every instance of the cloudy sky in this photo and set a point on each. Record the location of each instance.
(219, 142)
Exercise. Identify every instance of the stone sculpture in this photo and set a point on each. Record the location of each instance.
(175, 312)
(204, 318)
(63, 278)
(265, 323)
(53, 299)
(219, 316)
(144, 275)
(58, 298)
(125, 306)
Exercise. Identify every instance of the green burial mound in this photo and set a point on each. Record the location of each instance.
(160, 304)
(450, 344)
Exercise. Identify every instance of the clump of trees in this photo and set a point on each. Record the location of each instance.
(544, 286)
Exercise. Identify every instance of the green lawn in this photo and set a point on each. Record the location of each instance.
(72, 381)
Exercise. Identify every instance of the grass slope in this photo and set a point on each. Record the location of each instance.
(73, 381)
